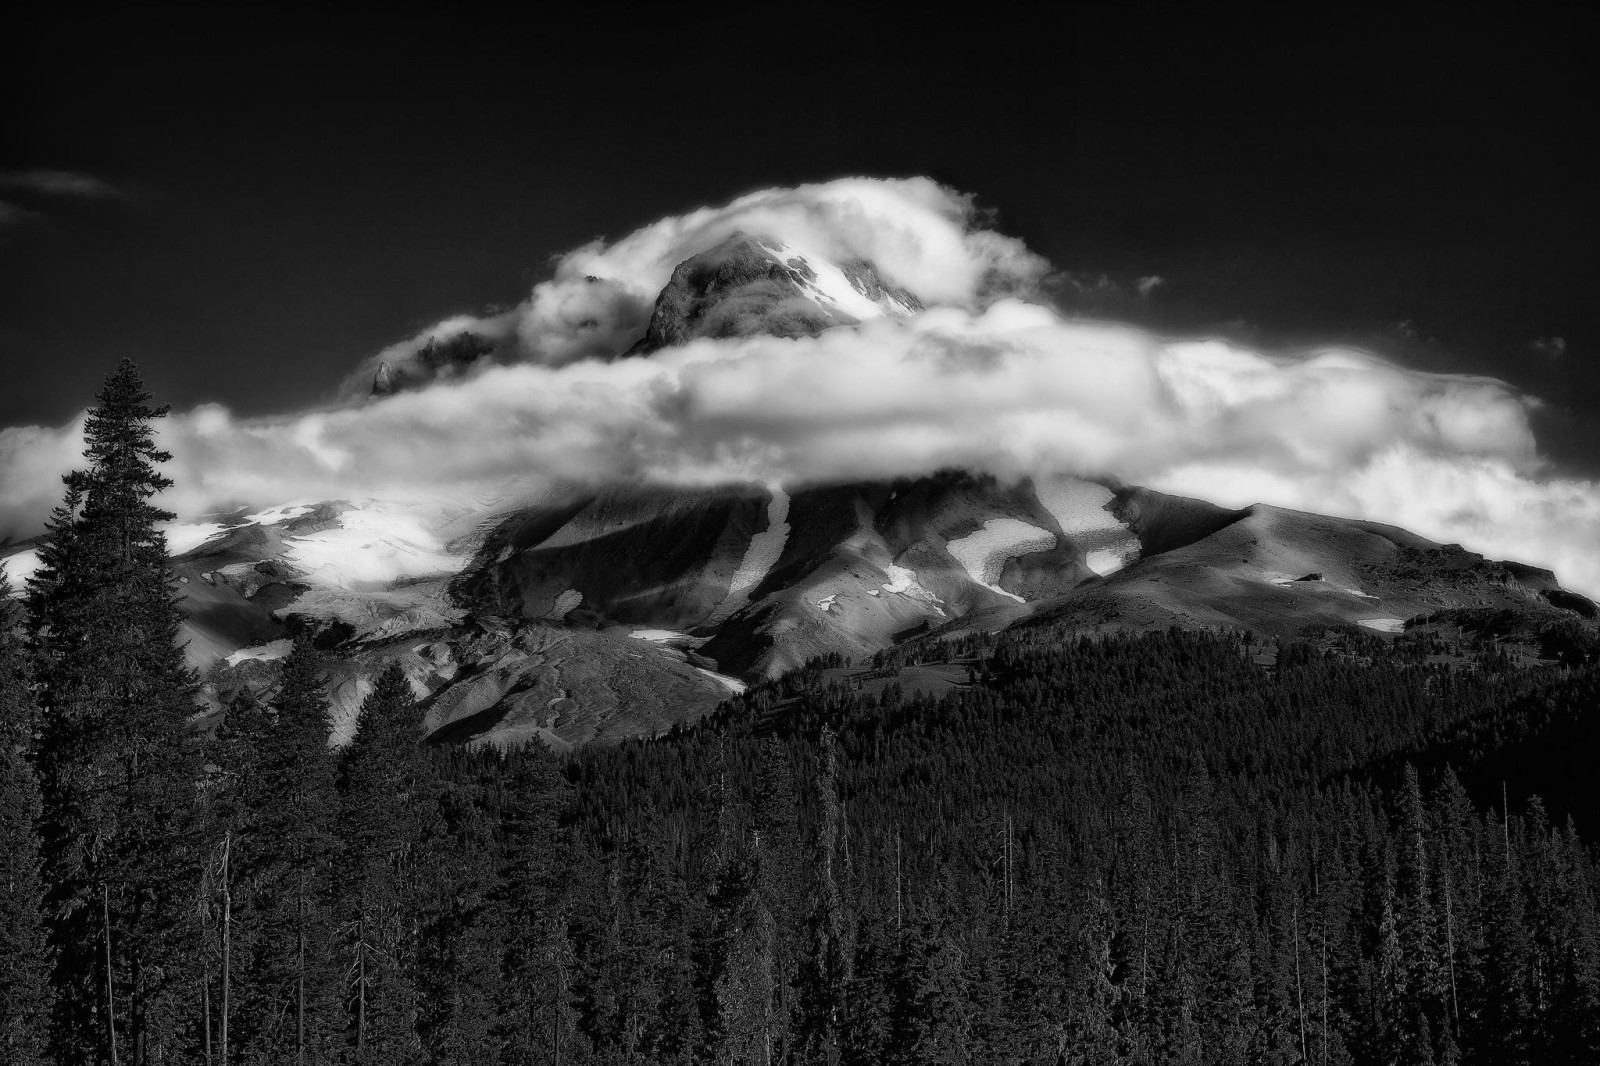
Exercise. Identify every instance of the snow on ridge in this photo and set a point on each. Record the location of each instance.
(830, 285)
(274, 515)
(760, 556)
(187, 536)
(276, 649)
(984, 553)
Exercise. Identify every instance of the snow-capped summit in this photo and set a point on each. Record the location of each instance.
(753, 285)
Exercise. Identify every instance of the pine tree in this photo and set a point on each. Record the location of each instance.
(24, 961)
(283, 851)
(117, 769)
(389, 813)
(534, 1017)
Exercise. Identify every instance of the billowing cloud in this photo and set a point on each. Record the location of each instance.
(996, 384)
(922, 236)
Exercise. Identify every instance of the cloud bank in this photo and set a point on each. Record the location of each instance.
(922, 236)
(996, 384)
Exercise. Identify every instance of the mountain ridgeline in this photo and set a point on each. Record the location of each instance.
(943, 769)
(583, 614)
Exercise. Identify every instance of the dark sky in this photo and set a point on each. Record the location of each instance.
(296, 189)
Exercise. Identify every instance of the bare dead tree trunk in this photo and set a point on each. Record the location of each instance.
(300, 980)
(1324, 989)
(205, 1006)
(1299, 999)
(897, 904)
(361, 986)
(1450, 947)
(111, 1003)
(227, 945)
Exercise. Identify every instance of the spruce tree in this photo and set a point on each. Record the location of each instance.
(24, 963)
(389, 813)
(118, 773)
(534, 1016)
(284, 850)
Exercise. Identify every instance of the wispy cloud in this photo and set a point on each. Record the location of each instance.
(30, 195)
(67, 184)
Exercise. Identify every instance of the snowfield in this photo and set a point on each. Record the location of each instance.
(1384, 625)
(665, 636)
(903, 582)
(277, 649)
(376, 544)
(19, 567)
(185, 537)
(984, 554)
(1080, 507)
(760, 557)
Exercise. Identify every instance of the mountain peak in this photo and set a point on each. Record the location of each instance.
(750, 285)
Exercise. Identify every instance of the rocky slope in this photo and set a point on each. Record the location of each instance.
(748, 286)
(583, 615)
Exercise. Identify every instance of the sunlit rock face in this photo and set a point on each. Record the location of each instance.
(756, 286)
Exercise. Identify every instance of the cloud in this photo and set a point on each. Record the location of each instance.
(26, 195)
(1551, 348)
(922, 236)
(57, 183)
(989, 383)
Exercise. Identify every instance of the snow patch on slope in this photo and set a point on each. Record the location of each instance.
(903, 582)
(1080, 507)
(276, 649)
(377, 543)
(984, 554)
(665, 636)
(830, 286)
(732, 684)
(19, 567)
(187, 536)
(760, 557)
(1383, 625)
(565, 604)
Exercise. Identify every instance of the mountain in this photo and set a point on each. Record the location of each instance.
(586, 614)
(750, 285)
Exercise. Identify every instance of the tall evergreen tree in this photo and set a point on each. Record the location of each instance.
(24, 962)
(389, 813)
(534, 1017)
(284, 849)
(118, 772)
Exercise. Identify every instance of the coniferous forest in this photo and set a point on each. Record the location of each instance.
(1175, 847)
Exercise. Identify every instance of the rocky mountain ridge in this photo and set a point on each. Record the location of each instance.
(583, 614)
